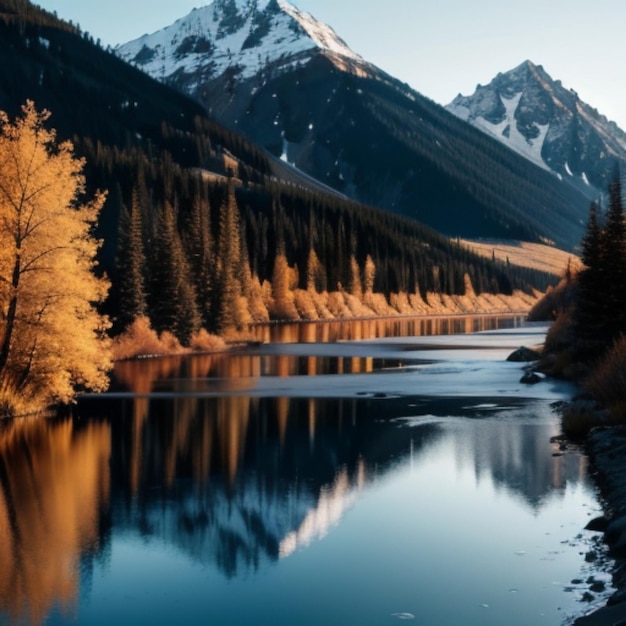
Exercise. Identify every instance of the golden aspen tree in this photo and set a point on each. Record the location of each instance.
(356, 286)
(52, 338)
(369, 275)
(315, 273)
(283, 282)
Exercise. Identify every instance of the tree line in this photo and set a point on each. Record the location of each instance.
(599, 315)
(194, 250)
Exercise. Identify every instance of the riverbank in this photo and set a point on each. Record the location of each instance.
(597, 420)
(607, 452)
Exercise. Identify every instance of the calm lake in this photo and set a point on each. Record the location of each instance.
(385, 477)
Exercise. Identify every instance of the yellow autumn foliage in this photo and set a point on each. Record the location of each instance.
(52, 339)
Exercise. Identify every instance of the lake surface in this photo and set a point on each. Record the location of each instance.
(363, 482)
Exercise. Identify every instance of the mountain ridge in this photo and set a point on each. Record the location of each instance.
(345, 122)
(535, 115)
(242, 36)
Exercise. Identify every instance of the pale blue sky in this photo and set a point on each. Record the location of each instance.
(438, 47)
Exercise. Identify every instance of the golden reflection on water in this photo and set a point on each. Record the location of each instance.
(263, 457)
(54, 482)
(233, 372)
(314, 454)
(375, 328)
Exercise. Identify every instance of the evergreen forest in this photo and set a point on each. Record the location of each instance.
(196, 230)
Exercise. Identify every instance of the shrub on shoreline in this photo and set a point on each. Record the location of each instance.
(607, 381)
(605, 384)
(141, 340)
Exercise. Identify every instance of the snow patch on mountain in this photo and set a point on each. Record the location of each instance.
(508, 132)
(548, 124)
(243, 36)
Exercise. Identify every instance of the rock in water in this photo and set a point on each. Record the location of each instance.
(523, 355)
(530, 378)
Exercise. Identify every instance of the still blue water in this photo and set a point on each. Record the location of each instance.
(428, 491)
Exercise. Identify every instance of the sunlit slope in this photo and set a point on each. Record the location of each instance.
(524, 254)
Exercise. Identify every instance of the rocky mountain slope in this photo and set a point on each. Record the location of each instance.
(291, 85)
(548, 124)
(240, 37)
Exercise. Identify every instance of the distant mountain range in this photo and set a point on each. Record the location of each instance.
(548, 124)
(290, 84)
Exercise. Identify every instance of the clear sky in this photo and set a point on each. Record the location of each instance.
(438, 47)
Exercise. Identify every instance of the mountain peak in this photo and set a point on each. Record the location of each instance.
(540, 119)
(236, 36)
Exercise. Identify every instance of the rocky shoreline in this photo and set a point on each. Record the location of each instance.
(606, 447)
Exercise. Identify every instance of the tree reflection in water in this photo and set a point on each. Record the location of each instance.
(235, 482)
(54, 493)
(232, 482)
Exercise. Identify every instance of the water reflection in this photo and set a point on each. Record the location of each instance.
(504, 444)
(54, 489)
(236, 483)
(235, 372)
(232, 481)
(353, 330)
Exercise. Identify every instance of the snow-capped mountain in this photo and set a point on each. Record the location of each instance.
(241, 37)
(291, 85)
(548, 124)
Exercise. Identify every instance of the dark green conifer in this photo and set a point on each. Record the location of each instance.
(172, 297)
(228, 283)
(131, 263)
(201, 256)
(613, 264)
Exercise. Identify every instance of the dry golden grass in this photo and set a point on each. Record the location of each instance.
(533, 255)
(556, 300)
(140, 339)
(20, 404)
(203, 341)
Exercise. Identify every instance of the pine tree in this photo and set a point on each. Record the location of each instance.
(172, 298)
(356, 284)
(228, 285)
(613, 263)
(200, 252)
(131, 263)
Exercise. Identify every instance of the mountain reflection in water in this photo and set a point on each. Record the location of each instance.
(232, 482)
(238, 483)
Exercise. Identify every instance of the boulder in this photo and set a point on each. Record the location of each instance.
(530, 378)
(524, 355)
(598, 524)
